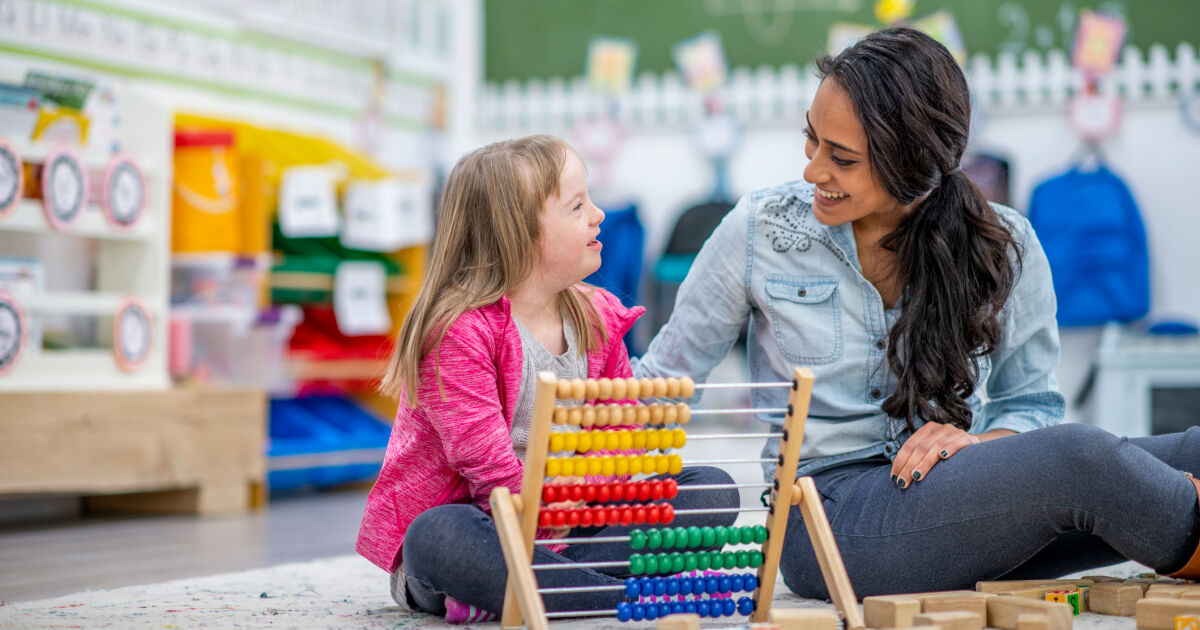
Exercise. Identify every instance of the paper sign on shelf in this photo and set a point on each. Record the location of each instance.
(360, 299)
(1097, 42)
(610, 63)
(387, 215)
(701, 59)
(308, 202)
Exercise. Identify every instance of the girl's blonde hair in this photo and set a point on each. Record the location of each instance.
(486, 244)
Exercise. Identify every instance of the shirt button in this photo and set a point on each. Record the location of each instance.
(880, 344)
(802, 293)
(875, 393)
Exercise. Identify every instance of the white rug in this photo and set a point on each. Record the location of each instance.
(341, 592)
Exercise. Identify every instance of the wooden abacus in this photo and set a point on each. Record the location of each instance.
(518, 517)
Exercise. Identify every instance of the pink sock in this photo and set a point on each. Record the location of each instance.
(458, 613)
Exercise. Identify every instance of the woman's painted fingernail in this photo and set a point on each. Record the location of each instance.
(916, 475)
(894, 478)
(944, 453)
(900, 482)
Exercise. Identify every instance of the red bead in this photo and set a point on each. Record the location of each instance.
(618, 491)
(656, 489)
(589, 493)
(604, 493)
(560, 518)
(545, 518)
(629, 491)
(666, 513)
(599, 516)
(643, 489)
(626, 515)
(549, 494)
(614, 515)
(639, 514)
(670, 488)
(652, 514)
(573, 518)
(585, 517)
(576, 492)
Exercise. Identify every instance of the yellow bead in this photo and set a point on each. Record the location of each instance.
(595, 466)
(604, 388)
(687, 387)
(643, 415)
(568, 466)
(621, 465)
(563, 390)
(556, 442)
(676, 465)
(575, 416)
(553, 467)
(618, 388)
(560, 415)
(639, 439)
(685, 413)
(635, 465)
(581, 465)
(666, 439)
(585, 442)
(660, 387)
(626, 441)
(648, 464)
(589, 416)
(680, 438)
(670, 414)
(651, 440)
(656, 414)
(672, 388)
(608, 467)
(631, 387)
(662, 464)
(592, 389)
(570, 441)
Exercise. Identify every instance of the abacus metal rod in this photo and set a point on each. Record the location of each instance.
(581, 613)
(607, 564)
(731, 436)
(721, 510)
(722, 486)
(581, 589)
(742, 385)
(728, 461)
(586, 539)
(744, 410)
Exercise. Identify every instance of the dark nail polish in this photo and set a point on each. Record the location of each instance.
(916, 475)
(944, 454)
(900, 482)
(894, 478)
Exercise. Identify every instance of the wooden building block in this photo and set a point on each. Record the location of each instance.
(1187, 623)
(950, 620)
(975, 605)
(1032, 621)
(1159, 613)
(679, 622)
(1003, 612)
(1165, 590)
(805, 618)
(1038, 593)
(1071, 598)
(888, 611)
(1114, 598)
(1014, 585)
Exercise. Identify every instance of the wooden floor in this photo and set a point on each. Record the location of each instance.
(45, 560)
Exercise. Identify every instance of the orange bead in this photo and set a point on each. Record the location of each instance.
(604, 389)
(660, 387)
(591, 389)
(618, 388)
(687, 387)
(672, 388)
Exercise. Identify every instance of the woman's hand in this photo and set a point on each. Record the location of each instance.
(929, 445)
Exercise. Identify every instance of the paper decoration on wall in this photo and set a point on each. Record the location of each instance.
(12, 331)
(387, 215)
(133, 334)
(843, 35)
(701, 61)
(12, 177)
(64, 188)
(610, 63)
(1097, 43)
(360, 299)
(891, 11)
(942, 26)
(308, 202)
(1094, 116)
(124, 193)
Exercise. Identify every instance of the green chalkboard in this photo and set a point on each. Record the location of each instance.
(549, 38)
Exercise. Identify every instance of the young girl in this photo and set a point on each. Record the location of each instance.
(502, 301)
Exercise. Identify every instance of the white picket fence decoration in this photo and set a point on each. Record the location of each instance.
(779, 96)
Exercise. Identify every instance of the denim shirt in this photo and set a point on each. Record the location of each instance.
(799, 284)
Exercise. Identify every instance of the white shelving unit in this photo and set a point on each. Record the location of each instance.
(128, 262)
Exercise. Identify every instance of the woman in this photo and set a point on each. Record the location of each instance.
(927, 316)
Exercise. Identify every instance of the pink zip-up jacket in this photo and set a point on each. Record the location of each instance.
(458, 448)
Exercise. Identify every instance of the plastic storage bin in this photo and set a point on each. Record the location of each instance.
(320, 441)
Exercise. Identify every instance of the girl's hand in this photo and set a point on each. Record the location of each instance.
(929, 445)
(561, 532)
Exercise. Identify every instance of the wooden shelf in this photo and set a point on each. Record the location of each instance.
(324, 282)
(79, 369)
(336, 369)
(71, 303)
(28, 216)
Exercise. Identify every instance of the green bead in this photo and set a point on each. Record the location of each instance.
(668, 538)
(747, 535)
(756, 558)
(653, 539)
(716, 560)
(677, 562)
(681, 538)
(651, 564)
(760, 534)
(694, 536)
(637, 539)
(636, 564)
(730, 560)
(743, 559)
(689, 561)
(722, 535)
(708, 537)
(703, 561)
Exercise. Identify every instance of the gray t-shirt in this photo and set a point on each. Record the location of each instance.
(535, 358)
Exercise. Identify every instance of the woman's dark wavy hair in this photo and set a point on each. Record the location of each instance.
(955, 258)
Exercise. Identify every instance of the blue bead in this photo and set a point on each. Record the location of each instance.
(702, 607)
(685, 585)
(728, 607)
(750, 583)
(647, 586)
(639, 612)
(632, 590)
(735, 583)
(651, 612)
(660, 587)
(746, 606)
(724, 584)
(664, 609)
(714, 608)
(624, 611)
(676, 608)
(689, 607)
(672, 586)
(710, 584)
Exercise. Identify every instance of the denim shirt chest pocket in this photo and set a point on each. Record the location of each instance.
(806, 314)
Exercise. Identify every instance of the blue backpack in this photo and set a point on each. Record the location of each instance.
(1095, 242)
